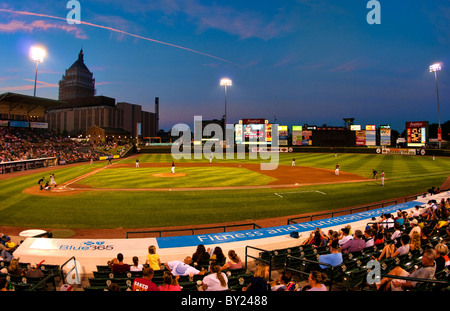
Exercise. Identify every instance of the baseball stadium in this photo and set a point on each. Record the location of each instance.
(97, 197)
(89, 211)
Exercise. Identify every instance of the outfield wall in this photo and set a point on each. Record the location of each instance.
(92, 252)
(313, 149)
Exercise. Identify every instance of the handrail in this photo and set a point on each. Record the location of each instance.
(365, 207)
(192, 230)
(290, 257)
(74, 268)
(43, 281)
(259, 258)
(406, 278)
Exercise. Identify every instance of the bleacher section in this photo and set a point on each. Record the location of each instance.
(274, 246)
(103, 277)
(26, 283)
(17, 145)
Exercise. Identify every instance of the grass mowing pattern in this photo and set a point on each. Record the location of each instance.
(196, 177)
(111, 209)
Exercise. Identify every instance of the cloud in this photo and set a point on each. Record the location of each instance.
(40, 25)
(349, 66)
(40, 84)
(440, 19)
(286, 60)
(243, 23)
(103, 83)
(117, 22)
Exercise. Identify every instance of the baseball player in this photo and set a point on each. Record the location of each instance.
(52, 180)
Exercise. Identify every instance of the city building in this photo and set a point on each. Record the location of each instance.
(76, 116)
(78, 81)
(80, 110)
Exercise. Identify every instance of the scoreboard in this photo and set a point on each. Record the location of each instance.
(416, 133)
(253, 131)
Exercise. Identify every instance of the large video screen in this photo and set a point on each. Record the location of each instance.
(254, 131)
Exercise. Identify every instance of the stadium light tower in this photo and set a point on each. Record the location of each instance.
(225, 82)
(435, 68)
(37, 55)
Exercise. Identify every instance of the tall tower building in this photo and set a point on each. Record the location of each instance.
(77, 82)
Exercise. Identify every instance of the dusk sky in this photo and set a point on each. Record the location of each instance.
(303, 61)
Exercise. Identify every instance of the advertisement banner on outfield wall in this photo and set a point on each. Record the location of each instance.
(371, 135)
(297, 135)
(360, 138)
(307, 138)
(402, 151)
(385, 135)
(283, 135)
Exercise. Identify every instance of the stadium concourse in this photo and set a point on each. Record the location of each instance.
(92, 253)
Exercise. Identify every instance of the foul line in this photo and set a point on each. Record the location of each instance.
(88, 174)
(279, 195)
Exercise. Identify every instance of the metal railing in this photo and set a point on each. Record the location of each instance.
(344, 212)
(74, 268)
(328, 267)
(258, 258)
(42, 283)
(192, 231)
(423, 282)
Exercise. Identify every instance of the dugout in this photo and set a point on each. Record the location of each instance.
(14, 166)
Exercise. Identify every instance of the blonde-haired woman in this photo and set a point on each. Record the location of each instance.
(260, 279)
(414, 244)
(14, 267)
(216, 281)
(442, 258)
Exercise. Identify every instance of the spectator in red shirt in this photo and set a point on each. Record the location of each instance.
(145, 283)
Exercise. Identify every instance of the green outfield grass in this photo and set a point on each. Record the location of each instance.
(196, 177)
(405, 175)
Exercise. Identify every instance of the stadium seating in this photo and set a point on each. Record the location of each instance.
(17, 144)
(301, 260)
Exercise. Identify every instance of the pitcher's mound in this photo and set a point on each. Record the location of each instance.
(169, 175)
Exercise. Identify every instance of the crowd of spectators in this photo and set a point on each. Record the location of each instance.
(211, 264)
(388, 231)
(423, 222)
(18, 144)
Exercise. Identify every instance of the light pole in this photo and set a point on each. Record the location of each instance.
(435, 68)
(225, 82)
(37, 54)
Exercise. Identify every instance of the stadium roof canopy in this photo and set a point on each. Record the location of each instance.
(29, 100)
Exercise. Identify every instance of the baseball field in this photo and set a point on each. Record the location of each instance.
(121, 195)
